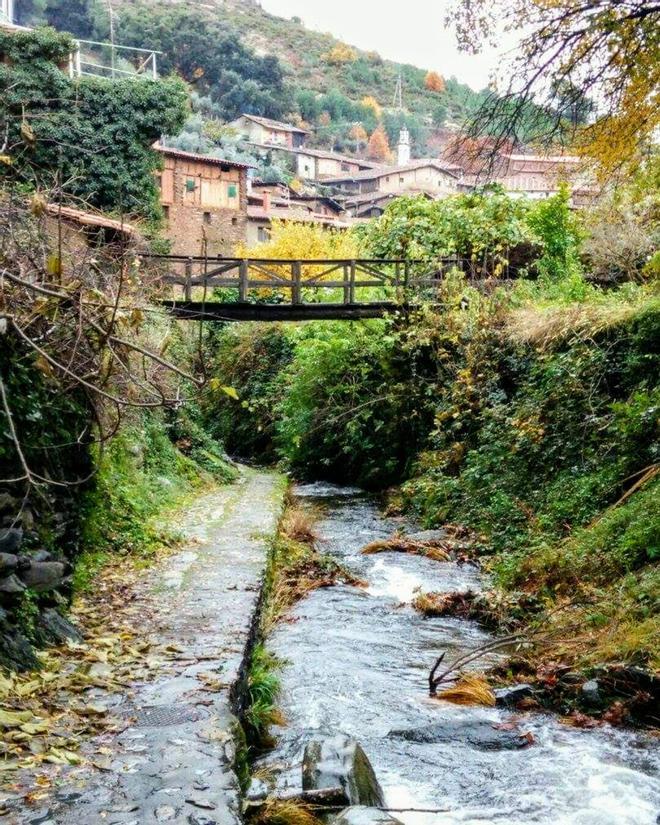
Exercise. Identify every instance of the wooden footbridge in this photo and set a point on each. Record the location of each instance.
(263, 289)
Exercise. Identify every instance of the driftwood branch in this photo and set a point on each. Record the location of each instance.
(467, 658)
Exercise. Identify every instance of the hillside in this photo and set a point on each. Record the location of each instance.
(305, 53)
(245, 59)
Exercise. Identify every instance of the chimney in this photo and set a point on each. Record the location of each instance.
(404, 147)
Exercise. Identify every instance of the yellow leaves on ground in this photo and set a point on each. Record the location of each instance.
(46, 716)
(470, 690)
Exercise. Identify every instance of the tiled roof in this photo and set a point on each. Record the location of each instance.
(275, 124)
(210, 159)
(84, 218)
(373, 174)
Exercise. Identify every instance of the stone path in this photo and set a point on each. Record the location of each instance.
(174, 763)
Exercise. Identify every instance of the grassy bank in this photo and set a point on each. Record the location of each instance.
(153, 465)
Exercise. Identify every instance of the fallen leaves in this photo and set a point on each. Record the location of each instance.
(46, 716)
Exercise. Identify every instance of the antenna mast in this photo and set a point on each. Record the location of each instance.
(398, 92)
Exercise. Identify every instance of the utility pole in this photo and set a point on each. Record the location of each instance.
(112, 38)
(398, 93)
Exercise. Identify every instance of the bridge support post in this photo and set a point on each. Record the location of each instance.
(347, 285)
(296, 289)
(351, 286)
(187, 289)
(243, 281)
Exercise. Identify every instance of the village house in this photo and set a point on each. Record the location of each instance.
(317, 164)
(373, 204)
(430, 176)
(205, 202)
(540, 176)
(263, 131)
(269, 202)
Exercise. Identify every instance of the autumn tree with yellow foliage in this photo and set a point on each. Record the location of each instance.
(340, 54)
(291, 240)
(370, 102)
(572, 51)
(358, 134)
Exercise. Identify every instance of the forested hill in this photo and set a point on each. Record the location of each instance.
(244, 59)
(320, 62)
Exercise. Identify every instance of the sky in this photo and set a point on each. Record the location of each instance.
(408, 31)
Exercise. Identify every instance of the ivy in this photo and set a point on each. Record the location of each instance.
(94, 135)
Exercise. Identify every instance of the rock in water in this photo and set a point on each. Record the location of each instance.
(359, 815)
(591, 693)
(510, 696)
(339, 763)
(480, 734)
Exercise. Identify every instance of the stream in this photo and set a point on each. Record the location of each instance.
(357, 661)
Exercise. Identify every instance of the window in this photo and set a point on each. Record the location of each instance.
(401, 180)
(190, 185)
(262, 234)
(166, 212)
(207, 217)
(234, 221)
(232, 190)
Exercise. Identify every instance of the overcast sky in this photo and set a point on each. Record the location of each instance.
(408, 31)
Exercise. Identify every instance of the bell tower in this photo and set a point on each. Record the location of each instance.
(403, 149)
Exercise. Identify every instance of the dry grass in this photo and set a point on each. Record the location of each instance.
(430, 604)
(470, 690)
(277, 812)
(297, 567)
(545, 327)
(298, 524)
(437, 550)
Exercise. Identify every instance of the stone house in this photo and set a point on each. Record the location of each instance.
(266, 204)
(266, 132)
(317, 164)
(205, 202)
(429, 176)
(540, 176)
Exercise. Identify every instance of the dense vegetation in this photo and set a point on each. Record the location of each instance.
(89, 139)
(528, 413)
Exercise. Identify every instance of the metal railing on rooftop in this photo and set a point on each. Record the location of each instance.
(94, 59)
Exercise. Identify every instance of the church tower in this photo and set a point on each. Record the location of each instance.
(403, 154)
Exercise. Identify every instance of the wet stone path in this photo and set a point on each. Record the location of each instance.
(174, 761)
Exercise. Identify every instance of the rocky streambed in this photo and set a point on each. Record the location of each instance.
(356, 669)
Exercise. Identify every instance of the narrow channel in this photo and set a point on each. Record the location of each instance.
(357, 661)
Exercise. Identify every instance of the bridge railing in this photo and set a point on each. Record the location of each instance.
(302, 281)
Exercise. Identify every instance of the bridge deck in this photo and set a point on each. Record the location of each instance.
(198, 311)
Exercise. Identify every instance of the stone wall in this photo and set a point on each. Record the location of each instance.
(200, 217)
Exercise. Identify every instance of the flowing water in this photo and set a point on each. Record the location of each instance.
(357, 661)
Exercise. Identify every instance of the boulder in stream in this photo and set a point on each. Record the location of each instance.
(479, 733)
(359, 815)
(509, 697)
(338, 764)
